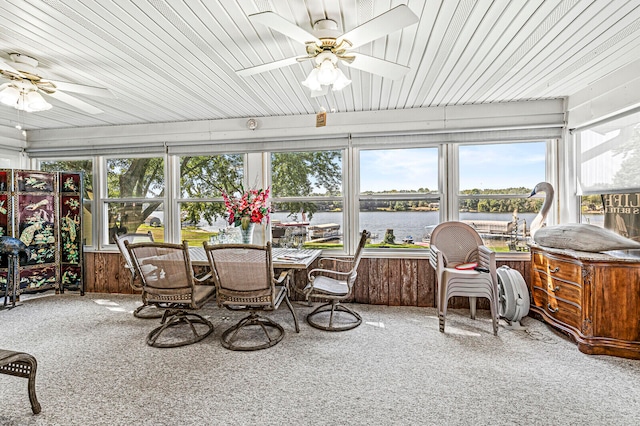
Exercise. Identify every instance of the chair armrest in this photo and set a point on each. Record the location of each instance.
(436, 259)
(487, 259)
(328, 271)
(283, 276)
(338, 259)
(206, 278)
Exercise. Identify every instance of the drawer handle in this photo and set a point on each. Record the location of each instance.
(553, 311)
(554, 270)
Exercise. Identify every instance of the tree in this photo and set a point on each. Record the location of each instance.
(627, 176)
(206, 177)
(297, 174)
(133, 178)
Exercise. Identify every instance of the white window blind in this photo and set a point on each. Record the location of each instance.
(608, 156)
(513, 135)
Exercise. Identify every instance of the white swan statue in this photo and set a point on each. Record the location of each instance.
(573, 236)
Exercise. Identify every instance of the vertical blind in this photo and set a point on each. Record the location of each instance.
(608, 156)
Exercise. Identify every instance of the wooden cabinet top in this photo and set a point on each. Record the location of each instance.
(618, 256)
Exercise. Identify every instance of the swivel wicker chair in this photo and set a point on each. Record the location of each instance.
(453, 244)
(145, 310)
(168, 281)
(335, 286)
(244, 279)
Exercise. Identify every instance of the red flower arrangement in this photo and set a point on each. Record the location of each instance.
(251, 207)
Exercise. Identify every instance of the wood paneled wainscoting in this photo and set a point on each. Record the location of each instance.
(381, 281)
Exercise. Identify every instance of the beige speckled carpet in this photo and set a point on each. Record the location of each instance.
(94, 368)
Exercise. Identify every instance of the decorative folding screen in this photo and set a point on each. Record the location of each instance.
(44, 211)
(71, 231)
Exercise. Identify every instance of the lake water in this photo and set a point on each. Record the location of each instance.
(404, 224)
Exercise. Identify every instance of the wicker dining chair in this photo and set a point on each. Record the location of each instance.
(336, 286)
(453, 244)
(145, 310)
(245, 280)
(168, 281)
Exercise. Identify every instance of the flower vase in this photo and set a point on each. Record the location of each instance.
(247, 234)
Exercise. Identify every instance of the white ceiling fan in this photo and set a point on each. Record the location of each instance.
(23, 91)
(327, 47)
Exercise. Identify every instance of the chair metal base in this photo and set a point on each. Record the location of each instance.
(230, 337)
(332, 307)
(148, 312)
(21, 364)
(174, 318)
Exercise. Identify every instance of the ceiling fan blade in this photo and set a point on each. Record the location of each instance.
(281, 25)
(271, 66)
(6, 67)
(73, 101)
(80, 88)
(386, 23)
(377, 66)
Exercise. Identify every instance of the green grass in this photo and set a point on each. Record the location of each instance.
(193, 235)
(396, 246)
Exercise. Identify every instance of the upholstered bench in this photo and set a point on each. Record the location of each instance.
(22, 365)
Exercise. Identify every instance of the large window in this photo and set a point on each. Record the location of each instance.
(85, 166)
(608, 160)
(135, 196)
(495, 181)
(202, 181)
(307, 198)
(399, 198)
(324, 198)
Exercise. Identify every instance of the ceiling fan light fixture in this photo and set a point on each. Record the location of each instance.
(35, 102)
(312, 81)
(327, 72)
(23, 99)
(9, 96)
(341, 80)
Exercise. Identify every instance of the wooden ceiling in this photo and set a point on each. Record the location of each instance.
(169, 61)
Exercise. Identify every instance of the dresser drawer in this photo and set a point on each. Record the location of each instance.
(562, 310)
(556, 268)
(565, 290)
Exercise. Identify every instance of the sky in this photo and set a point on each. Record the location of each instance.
(494, 166)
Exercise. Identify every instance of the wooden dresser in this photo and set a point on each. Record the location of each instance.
(593, 297)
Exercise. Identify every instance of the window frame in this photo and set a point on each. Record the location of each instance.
(347, 237)
(176, 196)
(454, 178)
(439, 196)
(257, 167)
(105, 200)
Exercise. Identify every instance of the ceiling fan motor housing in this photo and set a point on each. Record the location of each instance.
(326, 28)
